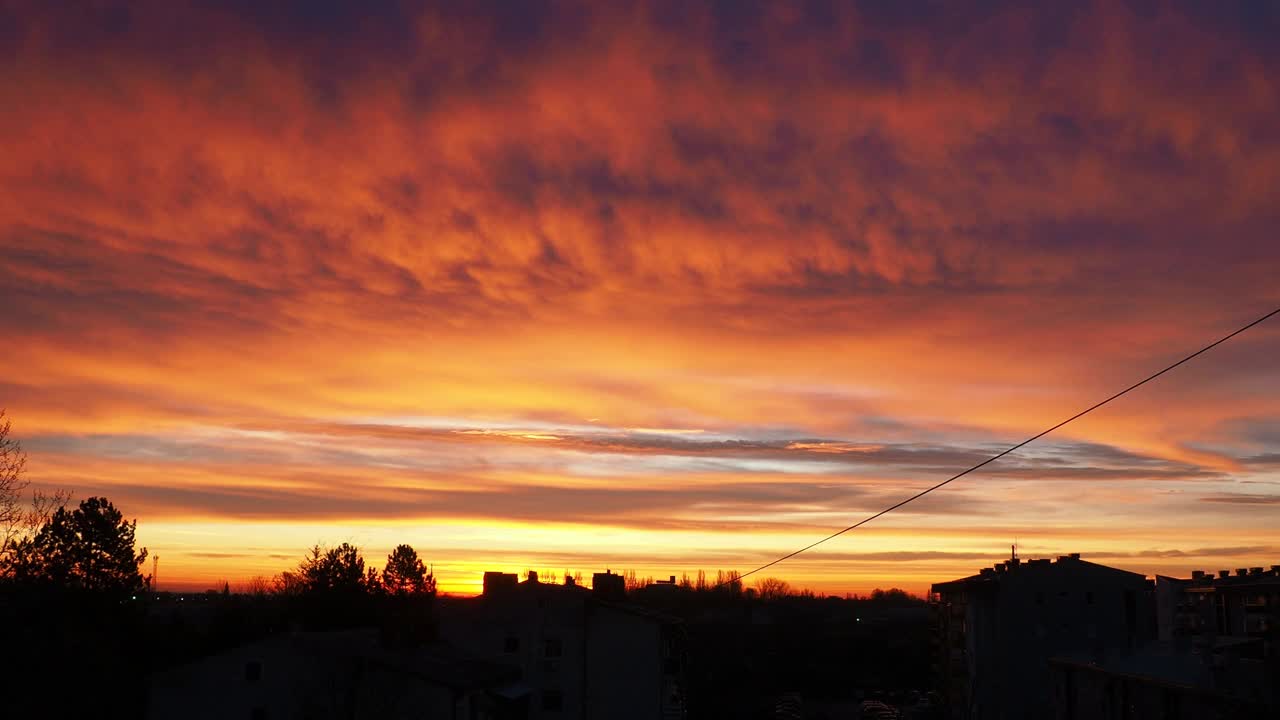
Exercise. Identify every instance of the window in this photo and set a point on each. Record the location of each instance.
(551, 648)
(552, 701)
(511, 644)
(253, 671)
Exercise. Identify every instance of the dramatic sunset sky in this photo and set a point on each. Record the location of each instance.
(656, 286)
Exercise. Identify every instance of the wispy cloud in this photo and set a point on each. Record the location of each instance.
(1243, 499)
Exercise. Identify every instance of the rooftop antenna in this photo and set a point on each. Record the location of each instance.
(155, 573)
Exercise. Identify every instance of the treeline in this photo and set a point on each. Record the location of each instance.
(78, 611)
(70, 582)
(731, 584)
(90, 549)
(78, 605)
(334, 588)
(341, 570)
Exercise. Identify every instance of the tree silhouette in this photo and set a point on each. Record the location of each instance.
(728, 583)
(90, 548)
(289, 584)
(331, 587)
(67, 592)
(338, 570)
(404, 574)
(12, 462)
(771, 588)
(406, 611)
(893, 596)
(15, 520)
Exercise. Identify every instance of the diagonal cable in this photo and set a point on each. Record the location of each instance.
(1006, 451)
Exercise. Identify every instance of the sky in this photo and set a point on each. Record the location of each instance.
(652, 286)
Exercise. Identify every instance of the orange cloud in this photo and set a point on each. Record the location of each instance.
(419, 255)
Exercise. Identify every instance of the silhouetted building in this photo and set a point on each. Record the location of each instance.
(998, 629)
(497, 582)
(1244, 606)
(1159, 682)
(608, 586)
(581, 656)
(333, 675)
(1217, 655)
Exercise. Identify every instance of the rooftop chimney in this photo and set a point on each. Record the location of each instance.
(1197, 574)
(1224, 573)
(1075, 556)
(1255, 571)
(1241, 572)
(533, 577)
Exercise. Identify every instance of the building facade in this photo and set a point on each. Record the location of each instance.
(1156, 682)
(997, 630)
(340, 675)
(582, 654)
(1244, 606)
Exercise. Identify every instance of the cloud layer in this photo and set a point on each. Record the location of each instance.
(669, 270)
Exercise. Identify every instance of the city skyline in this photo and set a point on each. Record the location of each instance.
(647, 286)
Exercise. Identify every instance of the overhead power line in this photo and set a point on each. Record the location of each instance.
(1002, 453)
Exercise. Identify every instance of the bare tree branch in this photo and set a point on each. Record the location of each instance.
(12, 463)
(43, 505)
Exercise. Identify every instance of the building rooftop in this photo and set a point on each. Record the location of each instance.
(1017, 567)
(438, 662)
(1242, 577)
